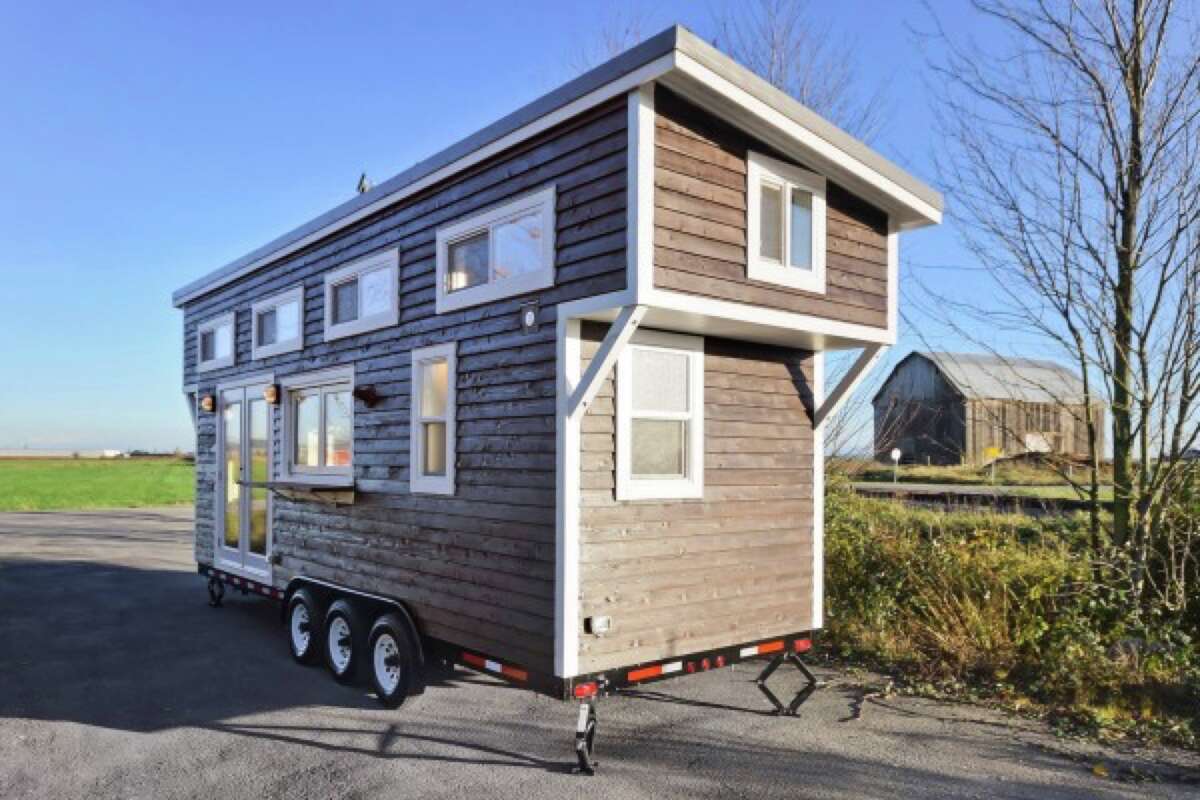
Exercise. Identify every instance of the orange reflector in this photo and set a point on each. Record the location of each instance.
(645, 672)
(514, 673)
(770, 647)
(474, 660)
(803, 645)
(586, 690)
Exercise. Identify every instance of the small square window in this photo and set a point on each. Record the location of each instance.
(278, 324)
(363, 296)
(786, 212)
(506, 251)
(214, 343)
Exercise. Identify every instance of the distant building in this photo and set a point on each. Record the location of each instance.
(970, 408)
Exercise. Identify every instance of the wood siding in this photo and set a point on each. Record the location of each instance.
(478, 567)
(687, 575)
(700, 225)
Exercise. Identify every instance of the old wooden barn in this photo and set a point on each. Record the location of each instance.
(973, 408)
(549, 403)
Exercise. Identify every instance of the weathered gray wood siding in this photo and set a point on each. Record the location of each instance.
(678, 576)
(918, 411)
(700, 225)
(477, 567)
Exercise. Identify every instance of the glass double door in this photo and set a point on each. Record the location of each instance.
(244, 466)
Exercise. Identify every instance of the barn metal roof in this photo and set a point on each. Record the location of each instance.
(676, 45)
(980, 376)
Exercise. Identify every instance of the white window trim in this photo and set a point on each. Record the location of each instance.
(691, 487)
(760, 169)
(433, 484)
(229, 319)
(294, 294)
(319, 476)
(388, 260)
(543, 202)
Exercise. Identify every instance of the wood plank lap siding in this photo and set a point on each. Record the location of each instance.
(478, 567)
(678, 576)
(700, 225)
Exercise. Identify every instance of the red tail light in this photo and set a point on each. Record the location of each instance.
(586, 690)
(803, 645)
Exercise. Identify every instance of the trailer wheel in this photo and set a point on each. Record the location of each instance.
(304, 626)
(393, 659)
(344, 628)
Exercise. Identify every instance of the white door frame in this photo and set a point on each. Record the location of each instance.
(241, 560)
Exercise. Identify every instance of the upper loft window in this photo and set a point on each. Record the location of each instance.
(277, 324)
(785, 224)
(214, 343)
(506, 251)
(363, 296)
(660, 417)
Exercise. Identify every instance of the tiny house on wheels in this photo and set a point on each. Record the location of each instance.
(549, 404)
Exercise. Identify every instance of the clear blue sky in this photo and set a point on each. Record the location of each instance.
(145, 145)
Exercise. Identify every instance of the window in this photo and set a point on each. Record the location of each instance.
(432, 439)
(319, 426)
(215, 343)
(785, 224)
(363, 296)
(660, 417)
(500, 253)
(277, 324)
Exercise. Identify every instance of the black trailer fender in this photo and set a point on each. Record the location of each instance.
(374, 602)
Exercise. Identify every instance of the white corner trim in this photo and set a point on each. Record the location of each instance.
(818, 492)
(419, 483)
(817, 146)
(893, 276)
(690, 487)
(761, 169)
(567, 464)
(293, 295)
(387, 260)
(541, 202)
(228, 319)
(639, 223)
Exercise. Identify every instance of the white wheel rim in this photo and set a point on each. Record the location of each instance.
(387, 663)
(339, 644)
(301, 632)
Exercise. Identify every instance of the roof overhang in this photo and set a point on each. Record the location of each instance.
(677, 59)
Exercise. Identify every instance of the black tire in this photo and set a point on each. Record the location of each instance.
(345, 640)
(392, 659)
(305, 624)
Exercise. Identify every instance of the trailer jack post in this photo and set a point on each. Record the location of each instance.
(216, 591)
(585, 739)
(790, 709)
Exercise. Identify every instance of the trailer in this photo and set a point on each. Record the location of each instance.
(549, 404)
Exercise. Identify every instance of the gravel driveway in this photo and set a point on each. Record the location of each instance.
(117, 680)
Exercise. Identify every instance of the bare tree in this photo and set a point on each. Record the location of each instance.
(1073, 156)
(793, 45)
(620, 28)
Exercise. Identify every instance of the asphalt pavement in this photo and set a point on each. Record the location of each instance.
(117, 680)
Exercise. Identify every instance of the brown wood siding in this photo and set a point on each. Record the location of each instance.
(478, 567)
(686, 575)
(700, 225)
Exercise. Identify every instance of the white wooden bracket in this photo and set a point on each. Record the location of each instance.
(618, 336)
(849, 382)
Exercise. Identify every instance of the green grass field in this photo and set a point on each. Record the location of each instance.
(51, 484)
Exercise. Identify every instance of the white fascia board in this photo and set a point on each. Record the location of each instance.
(631, 80)
(797, 140)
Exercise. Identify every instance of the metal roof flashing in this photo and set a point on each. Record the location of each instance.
(659, 56)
